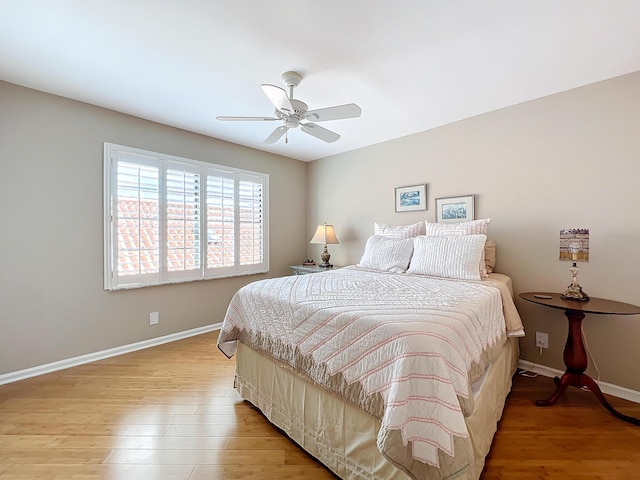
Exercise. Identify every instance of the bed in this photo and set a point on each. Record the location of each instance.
(381, 373)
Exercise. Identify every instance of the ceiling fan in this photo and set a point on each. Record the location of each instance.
(294, 112)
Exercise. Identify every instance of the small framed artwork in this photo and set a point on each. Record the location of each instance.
(411, 198)
(454, 209)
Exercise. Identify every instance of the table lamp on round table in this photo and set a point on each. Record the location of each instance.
(574, 247)
(325, 234)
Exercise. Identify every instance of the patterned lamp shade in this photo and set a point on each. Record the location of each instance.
(574, 245)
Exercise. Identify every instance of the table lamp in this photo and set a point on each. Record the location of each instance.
(325, 234)
(574, 247)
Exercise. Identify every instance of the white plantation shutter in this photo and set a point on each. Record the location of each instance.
(169, 219)
(220, 221)
(135, 215)
(250, 221)
(183, 222)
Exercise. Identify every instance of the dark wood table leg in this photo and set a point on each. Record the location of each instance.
(561, 385)
(575, 359)
(590, 383)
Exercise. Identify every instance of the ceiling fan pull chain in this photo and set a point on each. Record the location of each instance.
(286, 136)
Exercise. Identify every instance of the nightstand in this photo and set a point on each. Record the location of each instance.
(305, 269)
(575, 355)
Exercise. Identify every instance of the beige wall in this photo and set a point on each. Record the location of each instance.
(568, 160)
(52, 302)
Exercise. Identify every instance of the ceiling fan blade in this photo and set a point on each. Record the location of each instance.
(319, 132)
(279, 98)
(246, 119)
(275, 135)
(339, 112)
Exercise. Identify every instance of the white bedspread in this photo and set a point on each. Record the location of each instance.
(415, 340)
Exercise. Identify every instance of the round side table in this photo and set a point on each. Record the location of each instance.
(575, 355)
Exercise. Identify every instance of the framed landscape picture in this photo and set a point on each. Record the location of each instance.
(454, 209)
(411, 198)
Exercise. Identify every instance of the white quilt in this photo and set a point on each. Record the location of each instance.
(416, 341)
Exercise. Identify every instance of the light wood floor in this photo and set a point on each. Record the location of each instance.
(170, 412)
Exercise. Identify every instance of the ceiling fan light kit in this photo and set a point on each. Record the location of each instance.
(293, 112)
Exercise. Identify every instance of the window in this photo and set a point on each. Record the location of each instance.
(170, 219)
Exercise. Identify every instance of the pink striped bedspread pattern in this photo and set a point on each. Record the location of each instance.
(412, 339)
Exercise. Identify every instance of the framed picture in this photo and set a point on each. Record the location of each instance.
(411, 198)
(454, 209)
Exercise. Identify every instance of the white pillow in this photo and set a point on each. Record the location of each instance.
(463, 228)
(387, 254)
(399, 231)
(449, 256)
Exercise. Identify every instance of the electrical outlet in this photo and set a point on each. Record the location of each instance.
(154, 318)
(542, 340)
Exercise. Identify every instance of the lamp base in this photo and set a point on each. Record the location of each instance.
(574, 292)
(325, 259)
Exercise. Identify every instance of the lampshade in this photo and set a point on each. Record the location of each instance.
(574, 245)
(325, 235)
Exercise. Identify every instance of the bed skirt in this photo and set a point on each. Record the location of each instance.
(343, 437)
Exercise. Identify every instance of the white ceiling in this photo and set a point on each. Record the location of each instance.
(411, 65)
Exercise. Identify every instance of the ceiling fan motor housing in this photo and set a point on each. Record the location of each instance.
(293, 120)
(299, 107)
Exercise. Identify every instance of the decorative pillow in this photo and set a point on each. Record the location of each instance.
(398, 231)
(489, 256)
(464, 228)
(387, 254)
(449, 256)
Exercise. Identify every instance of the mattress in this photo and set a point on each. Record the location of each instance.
(343, 437)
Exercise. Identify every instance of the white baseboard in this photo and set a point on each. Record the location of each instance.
(608, 388)
(112, 352)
